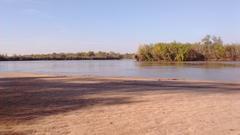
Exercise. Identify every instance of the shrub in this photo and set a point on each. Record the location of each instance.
(210, 48)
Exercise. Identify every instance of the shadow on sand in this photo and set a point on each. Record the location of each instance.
(23, 99)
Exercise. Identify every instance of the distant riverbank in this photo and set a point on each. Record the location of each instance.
(68, 56)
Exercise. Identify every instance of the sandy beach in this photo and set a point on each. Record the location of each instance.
(34, 104)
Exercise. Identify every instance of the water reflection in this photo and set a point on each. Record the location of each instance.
(201, 64)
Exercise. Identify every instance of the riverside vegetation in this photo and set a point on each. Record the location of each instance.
(69, 56)
(211, 48)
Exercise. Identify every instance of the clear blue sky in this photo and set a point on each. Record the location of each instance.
(43, 26)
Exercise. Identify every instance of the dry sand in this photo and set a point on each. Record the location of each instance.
(59, 105)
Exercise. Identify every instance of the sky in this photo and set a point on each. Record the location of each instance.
(46, 26)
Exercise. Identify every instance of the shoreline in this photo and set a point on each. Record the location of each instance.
(126, 78)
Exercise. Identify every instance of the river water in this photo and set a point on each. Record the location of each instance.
(216, 71)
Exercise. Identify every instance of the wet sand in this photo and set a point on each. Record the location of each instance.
(34, 104)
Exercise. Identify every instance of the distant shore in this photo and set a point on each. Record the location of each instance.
(30, 59)
(41, 104)
(69, 56)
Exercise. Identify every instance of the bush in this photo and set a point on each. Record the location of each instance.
(211, 48)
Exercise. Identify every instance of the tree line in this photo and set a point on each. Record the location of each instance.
(69, 56)
(210, 48)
